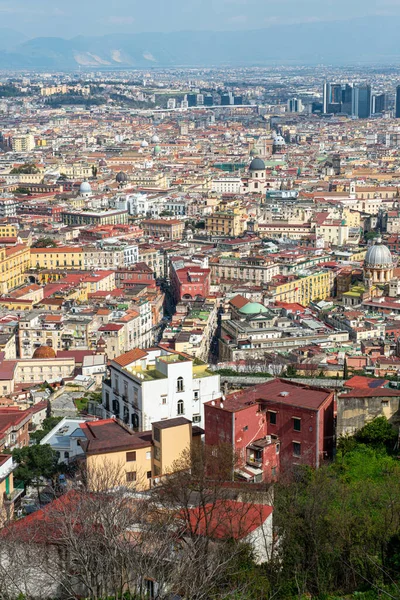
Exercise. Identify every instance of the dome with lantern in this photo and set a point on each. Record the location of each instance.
(378, 263)
(85, 188)
(121, 177)
(44, 352)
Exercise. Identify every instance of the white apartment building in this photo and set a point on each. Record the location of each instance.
(23, 143)
(227, 185)
(154, 385)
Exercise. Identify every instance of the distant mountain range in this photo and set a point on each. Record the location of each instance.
(365, 40)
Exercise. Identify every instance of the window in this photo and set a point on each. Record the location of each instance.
(195, 395)
(272, 417)
(148, 474)
(131, 476)
(66, 454)
(130, 456)
(385, 402)
(156, 434)
(150, 588)
(157, 453)
(296, 449)
(148, 455)
(179, 384)
(164, 400)
(277, 448)
(296, 424)
(115, 407)
(135, 421)
(196, 418)
(273, 471)
(180, 408)
(245, 428)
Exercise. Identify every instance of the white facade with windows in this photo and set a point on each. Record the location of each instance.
(227, 185)
(157, 385)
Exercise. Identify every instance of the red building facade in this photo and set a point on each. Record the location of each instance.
(276, 425)
(190, 282)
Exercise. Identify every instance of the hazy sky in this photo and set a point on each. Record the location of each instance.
(94, 17)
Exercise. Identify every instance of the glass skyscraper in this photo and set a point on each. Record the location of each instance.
(361, 101)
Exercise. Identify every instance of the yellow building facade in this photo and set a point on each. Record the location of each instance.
(14, 263)
(118, 455)
(7, 230)
(305, 289)
(230, 223)
(56, 258)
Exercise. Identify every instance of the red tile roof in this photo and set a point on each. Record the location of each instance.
(359, 382)
(298, 394)
(129, 357)
(226, 519)
(108, 435)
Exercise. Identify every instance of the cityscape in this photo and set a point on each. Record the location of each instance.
(199, 325)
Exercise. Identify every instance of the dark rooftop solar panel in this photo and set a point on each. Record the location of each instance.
(376, 383)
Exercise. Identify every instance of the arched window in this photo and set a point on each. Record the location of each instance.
(135, 421)
(179, 384)
(66, 454)
(181, 408)
(115, 407)
(126, 415)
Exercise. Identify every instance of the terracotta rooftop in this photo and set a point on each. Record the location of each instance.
(129, 357)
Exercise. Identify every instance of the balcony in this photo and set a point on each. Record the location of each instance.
(254, 462)
(15, 494)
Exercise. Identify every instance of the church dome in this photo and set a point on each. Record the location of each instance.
(253, 308)
(144, 144)
(257, 165)
(44, 352)
(378, 256)
(85, 188)
(155, 139)
(121, 177)
(279, 141)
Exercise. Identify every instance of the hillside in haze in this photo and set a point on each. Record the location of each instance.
(366, 40)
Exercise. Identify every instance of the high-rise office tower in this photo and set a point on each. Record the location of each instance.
(192, 99)
(295, 105)
(326, 97)
(347, 99)
(226, 99)
(336, 93)
(397, 102)
(378, 104)
(361, 101)
(332, 98)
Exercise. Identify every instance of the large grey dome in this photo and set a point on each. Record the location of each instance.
(85, 188)
(257, 165)
(121, 177)
(378, 256)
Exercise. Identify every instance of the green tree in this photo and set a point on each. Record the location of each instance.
(48, 424)
(345, 370)
(378, 433)
(45, 242)
(35, 463)
(291, 371)
(26, 169)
